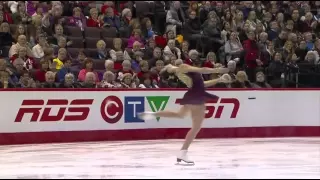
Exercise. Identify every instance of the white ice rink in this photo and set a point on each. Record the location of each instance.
(214, 158)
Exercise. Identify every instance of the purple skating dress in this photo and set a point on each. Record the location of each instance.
(196, 94)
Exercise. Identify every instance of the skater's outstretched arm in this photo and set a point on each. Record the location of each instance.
(184, 68)
(211, 82)
(226, 78)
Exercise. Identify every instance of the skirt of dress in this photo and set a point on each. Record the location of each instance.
(197, 97)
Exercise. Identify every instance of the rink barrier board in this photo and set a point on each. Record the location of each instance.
(294, 113)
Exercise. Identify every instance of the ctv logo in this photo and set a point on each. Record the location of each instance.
(215, 107)
(74, 110)
(112, 108)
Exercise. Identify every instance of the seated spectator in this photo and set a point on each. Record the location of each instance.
(109, 4)
(58, 62)
(131, 52)
(147, 82)
(4, 80)
(25, 80)
(117, 54)
(312, 57)
(29, 62)
(288, 49)
(110, 19)
(144, 67)
(192, 28)
(135, 37)
(309, 40)
(77, 19)
(135, 62)
(62, 43)
(128, 81)
(185, 50)
(175, 17)
(241, 81)
(125, 23)
(109, 65)
(66, 69)
(50, 80)
(6, 38)
(37, 50)
(211, 59)
(108, 81)
(88, 67)
(157, 55)
(151, 45)
(78, 62)
(22, 42)
(21, 16)
(90, 80)
(21, 30)
(101, 50)
(146, 27)
(94, 20)
(233, 47)
(68, 82)
(126, 68)
(40, 74)
(58, 33)
(260, 81)
(302, 50)
(5, 14)
(232, 66)
(276, 70)
(39, 10)
(17, 70)
(170, 50)
(225, 82)
(155, 71)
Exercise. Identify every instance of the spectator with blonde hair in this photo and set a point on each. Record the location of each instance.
(101, 50)
(108, 81)
(241, 81)
(50, 80)
(109, 65)
(22, 42)
(68, 81)
(58, 62)
(90, 80)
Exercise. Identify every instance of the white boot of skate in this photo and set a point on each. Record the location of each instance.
(147, 116)
(184, 157)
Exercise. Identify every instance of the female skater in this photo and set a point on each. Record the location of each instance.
(193, 101)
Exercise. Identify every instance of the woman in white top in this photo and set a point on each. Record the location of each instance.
(233, 47)
(37, 50)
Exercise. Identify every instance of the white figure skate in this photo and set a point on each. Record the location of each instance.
(147, 116)
(184, 157)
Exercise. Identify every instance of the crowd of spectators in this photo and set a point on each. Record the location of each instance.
(125, 44)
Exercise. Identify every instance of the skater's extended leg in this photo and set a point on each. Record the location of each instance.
(169, 114)
(173, 114)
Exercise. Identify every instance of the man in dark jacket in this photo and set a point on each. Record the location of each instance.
(192, 29)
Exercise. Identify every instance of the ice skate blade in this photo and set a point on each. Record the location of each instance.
(182, 162)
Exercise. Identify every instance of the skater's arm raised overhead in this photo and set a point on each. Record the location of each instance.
(184, 68)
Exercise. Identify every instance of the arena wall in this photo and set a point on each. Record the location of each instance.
(62, 115)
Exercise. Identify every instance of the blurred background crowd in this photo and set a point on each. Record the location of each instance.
(125, 44)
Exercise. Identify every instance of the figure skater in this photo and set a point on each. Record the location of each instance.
(193, 101)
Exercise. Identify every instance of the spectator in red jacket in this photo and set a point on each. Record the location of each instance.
(29, 62)
(251, 55)
(108, 4)
(94, 20)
